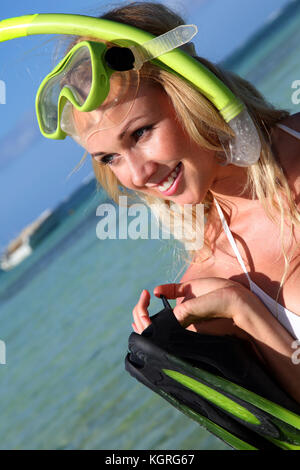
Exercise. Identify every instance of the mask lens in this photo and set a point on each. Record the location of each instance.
(75, 75)
(83, 126)
(47, 105)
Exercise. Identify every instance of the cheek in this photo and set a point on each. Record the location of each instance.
(203, 160)
(168, 144)
(123, 176)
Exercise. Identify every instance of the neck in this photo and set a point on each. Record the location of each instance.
(230, 183)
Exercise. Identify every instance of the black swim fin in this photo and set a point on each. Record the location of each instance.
(217, 381)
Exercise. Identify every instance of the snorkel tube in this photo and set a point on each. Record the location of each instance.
(244, 148)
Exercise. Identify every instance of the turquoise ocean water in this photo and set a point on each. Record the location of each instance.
(65, 314)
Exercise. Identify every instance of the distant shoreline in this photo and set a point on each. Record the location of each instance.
(34, 233)
(266, 31)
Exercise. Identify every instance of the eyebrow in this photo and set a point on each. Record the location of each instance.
(121, 135)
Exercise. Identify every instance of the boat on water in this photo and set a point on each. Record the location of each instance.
(33, 234)
(21, 246)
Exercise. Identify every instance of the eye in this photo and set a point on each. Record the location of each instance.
(142, 131)
(106, 159)
(110, 158)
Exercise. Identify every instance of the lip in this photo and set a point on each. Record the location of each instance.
(172, 190)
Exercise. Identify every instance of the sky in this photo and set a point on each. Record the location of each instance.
(34, 171)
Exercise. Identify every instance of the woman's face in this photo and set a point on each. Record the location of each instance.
(150, 152)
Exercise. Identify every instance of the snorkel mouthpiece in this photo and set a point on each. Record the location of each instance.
(244, 149)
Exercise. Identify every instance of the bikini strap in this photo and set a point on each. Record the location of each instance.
(290, 131)
(231, 241)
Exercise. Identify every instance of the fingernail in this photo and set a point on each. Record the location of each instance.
(144, 293)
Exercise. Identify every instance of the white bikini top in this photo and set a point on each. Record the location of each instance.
(288, 319)
(290, 131)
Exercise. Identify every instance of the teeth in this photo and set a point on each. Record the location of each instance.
(167, 184)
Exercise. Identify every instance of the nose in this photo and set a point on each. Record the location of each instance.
(141, 168)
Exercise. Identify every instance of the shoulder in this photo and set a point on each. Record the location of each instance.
(287, 148)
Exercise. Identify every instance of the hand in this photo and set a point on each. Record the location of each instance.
(205, 299)
(198, 300)
(209, 298)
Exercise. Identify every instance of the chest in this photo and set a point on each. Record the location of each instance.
(258, 241)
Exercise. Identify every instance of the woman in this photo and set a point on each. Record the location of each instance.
(244, 280)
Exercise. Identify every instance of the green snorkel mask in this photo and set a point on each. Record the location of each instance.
(83, 80)
(57, 95)
(99, 81)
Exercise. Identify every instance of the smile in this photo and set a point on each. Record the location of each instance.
(169, 185)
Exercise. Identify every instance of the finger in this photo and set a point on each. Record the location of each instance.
(193, 288)
(140, 312)
(171, 291)
(134, 327)
(211, 305)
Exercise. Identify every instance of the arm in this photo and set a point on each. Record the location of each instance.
(274, 343)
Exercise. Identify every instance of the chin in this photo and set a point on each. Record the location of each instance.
(189, 199)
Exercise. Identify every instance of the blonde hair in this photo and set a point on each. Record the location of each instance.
(203, 124)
